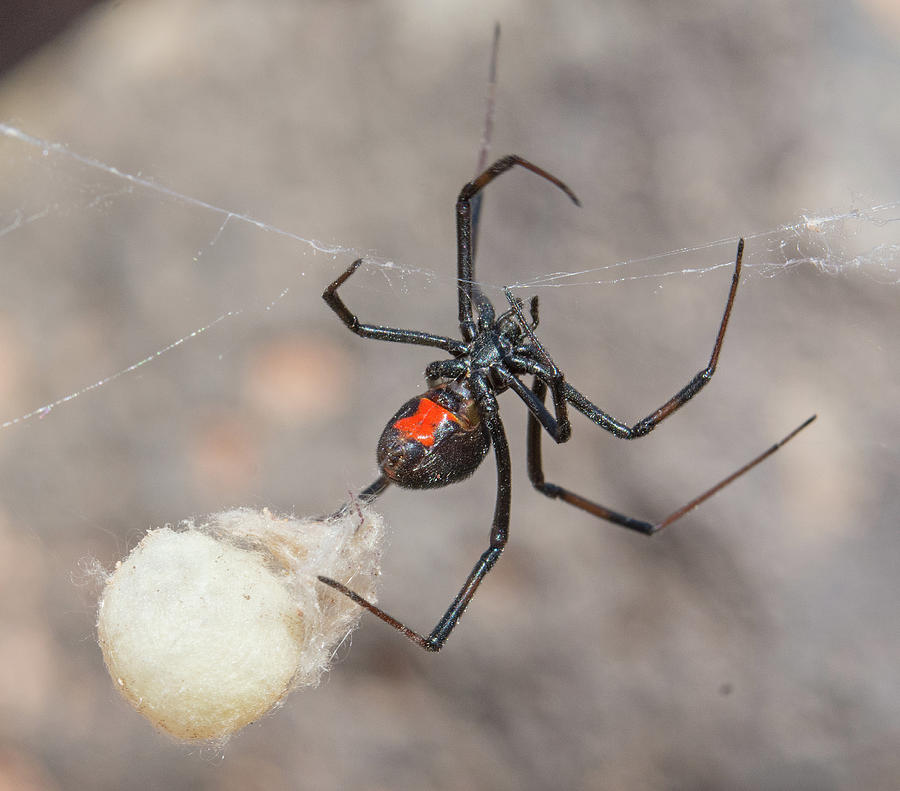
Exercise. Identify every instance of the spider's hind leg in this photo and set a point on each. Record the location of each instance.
(499, 533)
(552, 490)
(374, 489)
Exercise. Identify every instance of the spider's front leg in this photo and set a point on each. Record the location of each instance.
(469, 294)
(378, 332)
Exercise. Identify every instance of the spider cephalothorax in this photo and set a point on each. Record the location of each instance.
(441, 437)
(438, 438)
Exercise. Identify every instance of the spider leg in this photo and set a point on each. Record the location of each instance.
(536, 360)
(536, 475)
(447, 369)
(499, 534)
(374, 489)
(482, 303)
(367, 495)
(694, 386)
(486, 131)
(535, 316)
(468, 291)
(557, 427)
(697, 383)
(378, 332)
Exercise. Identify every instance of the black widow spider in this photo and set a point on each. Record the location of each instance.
(441, 436)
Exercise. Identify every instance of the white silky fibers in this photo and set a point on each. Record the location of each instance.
(206, 627)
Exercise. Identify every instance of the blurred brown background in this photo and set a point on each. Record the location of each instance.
(753, 646)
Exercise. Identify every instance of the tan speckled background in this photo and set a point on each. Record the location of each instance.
(754, 646)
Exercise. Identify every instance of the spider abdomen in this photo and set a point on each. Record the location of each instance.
(433, 440)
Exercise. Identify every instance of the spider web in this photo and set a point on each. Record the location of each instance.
(859, 240)
(181, 180)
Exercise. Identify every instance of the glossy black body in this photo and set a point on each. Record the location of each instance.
(492, 354)
(452, 449)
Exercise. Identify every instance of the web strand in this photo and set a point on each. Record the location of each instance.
(816, 240)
